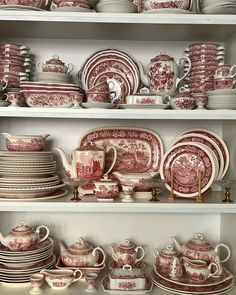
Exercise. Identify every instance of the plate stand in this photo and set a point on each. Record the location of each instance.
(171, 196)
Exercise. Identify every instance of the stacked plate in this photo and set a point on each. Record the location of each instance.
(17, 266)
(15, 64)
(29, 176)
(224, 99)
(192, 154)
(205, 58)
(48, 77)
(117, 6)
(217, 6)
(110, 64)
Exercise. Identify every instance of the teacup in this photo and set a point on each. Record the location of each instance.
(198, 270)
(224, 83)
(59, 279)
(145, 99)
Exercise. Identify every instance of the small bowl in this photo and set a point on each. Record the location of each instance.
(182, 103)
(25, 143)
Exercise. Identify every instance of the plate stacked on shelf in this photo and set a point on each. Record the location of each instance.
(29, 176)
(116, 6)
(192, 152)
(217, 6)
(17, 266)
(222, 99)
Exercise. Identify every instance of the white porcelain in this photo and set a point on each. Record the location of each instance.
(167, 4)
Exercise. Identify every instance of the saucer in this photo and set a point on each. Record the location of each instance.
(99, 105)
(144, 106)
(4, 103)
(72, 9)
(167, 10)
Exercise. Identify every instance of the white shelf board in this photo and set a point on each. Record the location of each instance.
(46, 24)
(24, 112)
(212, 204)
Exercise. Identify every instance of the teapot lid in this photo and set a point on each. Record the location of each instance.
(105, 180)
(170, 251)
(162, 57)
(55, 61)
(22, 229)
(82, 247)
(127, 245)
(199, 243)
(89, 146)
(183, 92)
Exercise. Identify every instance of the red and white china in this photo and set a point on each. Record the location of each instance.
(106, 189)
(23, 237)
(15, 98)
(36, 281)
(127, 290)
(200, 100)
(82, 254)
(73, 3)
(97, 97)
(127, 278)
(182, 100)
(217, 139)
(25, 143)
(52, 77)
(224, 83)
(110, 64)
(59, 279)
(225, 71)
(163, 74)
(55, 65)
(140, 150)
(127, 253)
(221, 99)
(169, 261)
(116, 6)
(27, 85)
(196, 159)
(198, 270)
(88, 161)
(146, 98)
(91, 280)
(170, 4)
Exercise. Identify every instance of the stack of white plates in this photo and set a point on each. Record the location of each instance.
(217, 6)
(29, 176)
(52, 77)
(116, 6)
(17, 266)
(224, 99)
(190, 152)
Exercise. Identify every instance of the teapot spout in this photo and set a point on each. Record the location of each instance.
(6, 135)
(113, 253)
(69, 169)
(143, 76)
(176, 244)
(3, 240)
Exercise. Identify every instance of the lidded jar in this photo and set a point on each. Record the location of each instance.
(55, 65)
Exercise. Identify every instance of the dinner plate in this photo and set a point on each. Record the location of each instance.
(195, 137)
(20, 181)
(33, 190)
(218, 140)
(185, 160)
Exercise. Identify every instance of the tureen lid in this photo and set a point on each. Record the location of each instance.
(82, 247)
(89, 146)
(127, 245)
(22, 228)
(55, 61)
(162, 57)
(199, 243)
(170, 251)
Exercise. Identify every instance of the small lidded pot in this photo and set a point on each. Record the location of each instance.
(183, 100)
(23, 237)
(55, 65)
(106, 189)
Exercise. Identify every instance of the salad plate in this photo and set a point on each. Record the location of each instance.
(218, 140)
(139, 150)
(185, 160)
(106, 288)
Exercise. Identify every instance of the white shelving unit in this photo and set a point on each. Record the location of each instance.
(74, 36)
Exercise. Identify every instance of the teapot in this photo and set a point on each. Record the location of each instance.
(82, 254)
(55, 65)
(127, 253)
(23, 237)
(168, 261)
(199, 248)
(163, 74)
(87, 162)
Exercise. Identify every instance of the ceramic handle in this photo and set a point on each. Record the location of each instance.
(4, 84)
(227, 248)
(47, 232)
(198, 6)
(103, 256)
(40, 65)
(138, 249)
(155, 253)
(166, 98)
(114, 160)
(53, 6)
(70, 68)
(75, 275)
(188, 71)
(231, 71)
(210, 267)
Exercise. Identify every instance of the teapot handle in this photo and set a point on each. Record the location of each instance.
(114, 160)
(47, 232)
(231, 71)
(70, 68)
(103, 256)
(188, 71)
(227, 248)
(210, 267)
(75, 275)
(137, 249)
